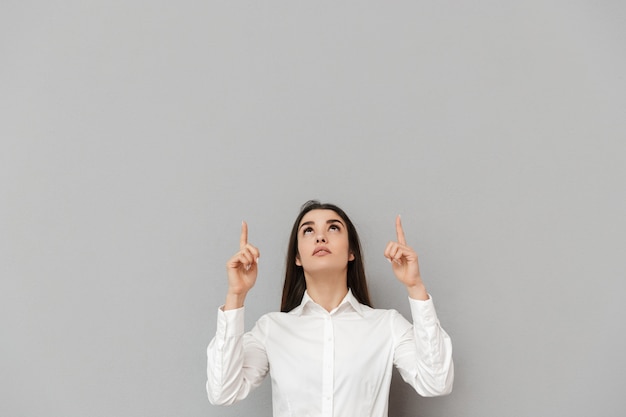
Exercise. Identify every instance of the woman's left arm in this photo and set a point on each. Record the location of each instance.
(423, 352)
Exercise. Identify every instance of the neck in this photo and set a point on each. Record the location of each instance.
(327, 290)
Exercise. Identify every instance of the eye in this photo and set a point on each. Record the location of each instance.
(334, 227)
(307, 230)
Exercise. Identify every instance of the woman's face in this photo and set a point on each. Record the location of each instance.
(323, 243)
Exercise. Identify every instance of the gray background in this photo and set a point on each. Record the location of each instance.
(136, 135)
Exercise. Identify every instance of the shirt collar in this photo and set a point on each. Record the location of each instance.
(349, 301)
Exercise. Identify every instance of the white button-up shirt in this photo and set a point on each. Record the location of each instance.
(336, 364)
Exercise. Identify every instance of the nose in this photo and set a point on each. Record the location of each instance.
(320, 238)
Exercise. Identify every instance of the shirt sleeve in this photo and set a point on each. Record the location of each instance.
(423, 351)
(236, 362)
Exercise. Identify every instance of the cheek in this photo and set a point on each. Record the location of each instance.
(300, 249)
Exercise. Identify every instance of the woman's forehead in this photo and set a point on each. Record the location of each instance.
(320, 215)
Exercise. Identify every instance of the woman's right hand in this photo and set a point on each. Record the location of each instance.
(242, 269)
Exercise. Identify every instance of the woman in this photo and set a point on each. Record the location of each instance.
(328, 352)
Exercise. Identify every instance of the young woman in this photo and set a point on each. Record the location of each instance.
(328, 352)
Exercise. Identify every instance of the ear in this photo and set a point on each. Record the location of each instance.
(298, 260)
(351, 257)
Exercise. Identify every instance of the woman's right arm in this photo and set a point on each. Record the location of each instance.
(236, 363)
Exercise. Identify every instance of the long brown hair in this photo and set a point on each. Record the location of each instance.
(295, 285)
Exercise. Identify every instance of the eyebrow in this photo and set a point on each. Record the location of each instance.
(310, 222)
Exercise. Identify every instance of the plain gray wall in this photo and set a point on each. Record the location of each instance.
(136, 135)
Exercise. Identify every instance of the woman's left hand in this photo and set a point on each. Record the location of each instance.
(405, 264)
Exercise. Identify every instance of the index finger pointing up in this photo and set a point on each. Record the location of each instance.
(243, 240)
(399, 231)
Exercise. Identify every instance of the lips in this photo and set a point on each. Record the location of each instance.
(321, 250)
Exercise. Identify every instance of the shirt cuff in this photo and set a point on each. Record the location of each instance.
(423, 311)
(230, 323)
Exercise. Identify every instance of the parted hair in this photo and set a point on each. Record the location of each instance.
(295, 284)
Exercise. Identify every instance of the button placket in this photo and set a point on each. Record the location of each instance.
(328, 368)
